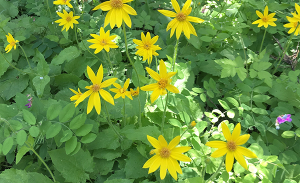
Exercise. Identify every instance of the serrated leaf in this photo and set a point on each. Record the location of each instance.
(7, 145)
(53, 130)
(21, 176)
(224, 104)
(88, 138)
(29, 117)
(71, 145)
(53, 111)
(10, 87)
(67, 113)
(3, 63)
(78, 121)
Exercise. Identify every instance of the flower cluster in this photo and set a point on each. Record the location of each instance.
(281, 119)
(293, 25)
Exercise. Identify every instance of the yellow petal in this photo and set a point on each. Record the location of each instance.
(115, 90)
(171, 168)
(174, 142)
(97, 102)
(100, 74)
(186, 5)
(128, 9)
(90, 103)
(162, 141)
(105, 6)
(156, 163)
(259, 14)
(226, 132)
(107, 96)
(246, 152)
(216, 144)
(180, 157)
(266, 11)
(153, 74)
(240, 158)
(175, 6)
(242, 139)
(126, 84)
(108, 82)
(83, 96)
(219, 153)
(163, 168)
(236, 131)
(229, 161)
(112, 18)
(119, 18)
(162, 69)
(155, 94)
(167, 13)
(155, 143)
(150, 161)
(91, 75)
(150, 87)
(181, 149)
(126, 18)
(172, 88)
(117, 86)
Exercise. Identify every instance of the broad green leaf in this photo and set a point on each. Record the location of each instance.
(107, 154)
(203, 97)
(53, 111)
(196, 144)
(21, 176)
(39, 83)
(140, 134)
(34, 131)
(233, 101)
(198, 90)
(78, 121)
(133, 163)
(88, 138)
(67, 113)
(66, 55)
(42, 66)
(261, 89)
(242, 73)
(7, 145)
(260, 98)
(194, 180)
(52, 38)
(201, 126)
(53, 130)
(224, 104)
(66, 135)
(16, 125)
(272, 158)
(84, 129)
(10, 87)
(21, 152)
(288, 134)
(297, 132)
(77, 148)
(71, 145)
(259, 111)
(175, 122)
(244, 87)
(72, 168)
(3, 63)
(206, 38)
(29, 117)
(21, 137)
(185, 117)
(261, 66)
(210, 94)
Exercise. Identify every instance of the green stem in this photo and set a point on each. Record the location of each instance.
(218, 170)
(110, 124)
(287, 44)
(75, 29)
(25, 56)
(164, 115)
(111, 66)
(140, 122)
(262, 42)
(137, 75)
(175, 54)
(124, 116)
(13, 65)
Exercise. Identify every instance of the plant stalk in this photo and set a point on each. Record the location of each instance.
(175, 54)
(164, 115)
(262, 42)
(110, 124)
(218, 170)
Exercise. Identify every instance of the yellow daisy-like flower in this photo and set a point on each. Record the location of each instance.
(76, 96)
(103, 40)
(166, 156)
(95, 89)
(266, 19)
(146, 47)
(63, 2)
(292, 25)
(12, 43)
(117, 12)
(181, 22)
(121, 92)
(163, 82)
(193, 124)
(232, 147)
(67, 20)
(135, 92)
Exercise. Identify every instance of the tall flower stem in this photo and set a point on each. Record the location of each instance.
(110, 124)
(164, 115)
(75, 29)
(287, 44)
(262, 42)
(25, 56)
(175, 54)
(124, 116)
(137, 75)
(111, 66)
(218, 170)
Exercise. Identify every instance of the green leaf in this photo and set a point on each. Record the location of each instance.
(195, 42)
(224, 104)
(288, 134)
(88, 138)
(259, 111)
(133, 163)
(21, 137)
(260, 98)
(230, 113)
(203, 97)
(67, 113)
(3, 63)
(78, 121)
(242, 73)
(34, 131)
(72, 168)
(39, 83)
(66, 55)
(140, 134)
(53, 130)
(84, 129)
(15, 124)
(9, 88)
(201, 126)
(29, 117)
(297, 132)
(42, 66)
(71, 145)
(198, 90)
(206, 38)
(141, 72)
(119, 181)
(233, 101)
(185, 117)
(7, 145)
(52, 38)
(175, 122)
(53, 111)
(21, 176)
(107, 154)
(272, 158)
(21, 152)
(261, 66)
(77, 148)
(66, 135)
(244, 87)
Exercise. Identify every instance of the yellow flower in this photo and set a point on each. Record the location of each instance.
(293, 25)
(163, 82)
(103, 40)
(135, 92)
(95, 89)
(232, 147)
(266, 19)
(76, 96)
(121, 92)
(118, 11)
(63, 2)
(181, 22)
(67, 20)
(12, 43)
(193, 124)
(166, 156)
(146, 47)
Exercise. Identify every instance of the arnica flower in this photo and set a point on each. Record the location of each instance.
(232, 147)
(193, 124)
(67, 20)
(118, 11)
(136, 92)
(292, 25)
(63, 2)
(166, 156)
(181, 22)
(103, 40)
(266, 19)
(95, 89)
(146, 47)
(163, 82)
(76, 96)
(121, 92)
(12, 43)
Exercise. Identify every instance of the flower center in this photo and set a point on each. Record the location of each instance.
(68, 19)
(12, 43)
(231, 146)
(264, 19)
(164, 152)
(95, 87)
(65, 1)
(147, 46)
(162, 83)
(134, 93)
(181, 16)
(295, 24)
(103, 42)
(116, 3)
(122, 90)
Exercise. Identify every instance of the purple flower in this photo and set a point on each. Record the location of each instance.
(283, 118)
(29, 104)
